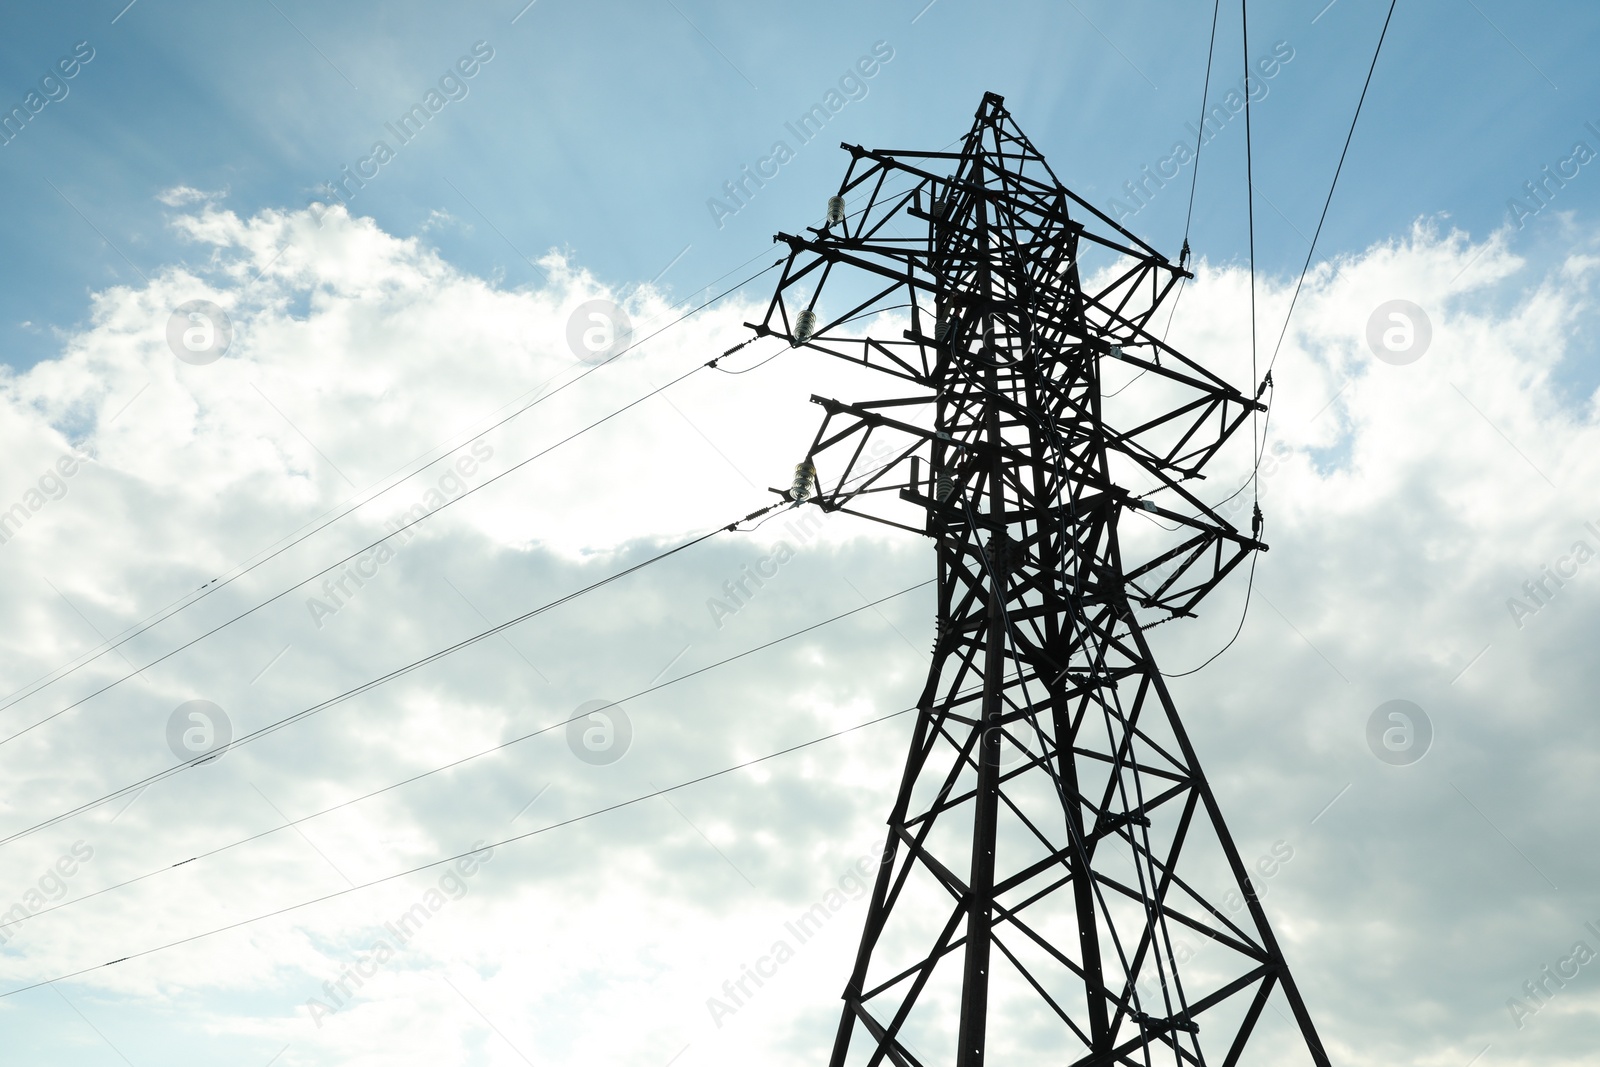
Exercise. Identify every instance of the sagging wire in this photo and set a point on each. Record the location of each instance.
(462, 855)
(397, 530)
(1260, 444)
(389, 676)
(1194, 181)
(188, 601)
(464, 759)
(1326, 203)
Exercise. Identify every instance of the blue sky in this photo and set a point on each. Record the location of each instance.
(1413, 509)
(604, 128)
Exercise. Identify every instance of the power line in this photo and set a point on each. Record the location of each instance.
(184, 603)
(462, 855)
(1194, 181)
(1339, 169)
(398, 529)
(1260, 446)
(179, 605)
(1250, 214)
(1334, 184)
(1249, 586)
(391, 675)
(1255, 435)
(763, 363)
(1199, 134)
(464, 759)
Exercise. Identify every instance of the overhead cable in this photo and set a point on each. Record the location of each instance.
(389, 676)
(183, 603)
(462, 760)
(397, 530)
(461, 855)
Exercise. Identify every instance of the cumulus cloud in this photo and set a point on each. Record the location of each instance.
(1406, 505)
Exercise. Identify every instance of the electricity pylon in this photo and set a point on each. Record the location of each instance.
(1058, 885)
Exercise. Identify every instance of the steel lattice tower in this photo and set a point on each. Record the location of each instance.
(1057, 873)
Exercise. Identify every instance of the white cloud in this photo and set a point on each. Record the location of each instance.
(439, 219)
(1402, 516)
(184, 195)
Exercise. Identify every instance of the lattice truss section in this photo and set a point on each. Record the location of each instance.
(973, 257)
(1057, 874)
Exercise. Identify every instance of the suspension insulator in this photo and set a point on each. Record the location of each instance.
(835, 210)
(805, 326)
(941, 328)
(805, 481)
(944, 488)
